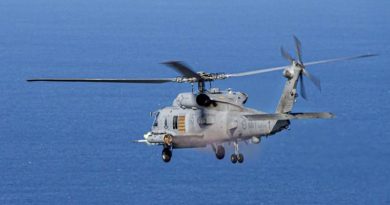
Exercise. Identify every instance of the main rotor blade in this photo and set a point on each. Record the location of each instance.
(298, 49)
(159, 80)
(183, 69)
(340, 59)
(266, 70)
(254, 72)
(302, 86)
(316, 81)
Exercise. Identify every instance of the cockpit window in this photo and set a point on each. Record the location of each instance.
(246, 98)
(155, 123)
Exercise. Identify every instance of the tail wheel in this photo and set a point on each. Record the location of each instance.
(166, 155)
(220, 152)
(233, 158)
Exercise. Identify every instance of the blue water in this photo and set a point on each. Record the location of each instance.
(71, 143)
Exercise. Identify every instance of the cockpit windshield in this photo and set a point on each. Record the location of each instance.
(155, 123)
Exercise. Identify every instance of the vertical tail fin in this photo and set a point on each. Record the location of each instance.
(294, 73)
(289, 94)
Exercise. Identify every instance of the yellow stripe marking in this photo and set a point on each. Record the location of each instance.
(182, 123)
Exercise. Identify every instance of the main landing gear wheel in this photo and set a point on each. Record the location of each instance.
(166, 155)
(233, 158)
(240, 158)
(220, 152)
(237, 156)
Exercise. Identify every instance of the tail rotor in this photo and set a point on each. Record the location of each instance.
(299, 63)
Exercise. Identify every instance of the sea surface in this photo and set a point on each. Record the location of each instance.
(72, 143)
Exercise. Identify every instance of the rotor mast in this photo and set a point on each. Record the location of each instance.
(189, 75)
(201, 86)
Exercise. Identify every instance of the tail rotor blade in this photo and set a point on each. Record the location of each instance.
(286, 55)
(316, 81)
(298, 49)
(302, 87)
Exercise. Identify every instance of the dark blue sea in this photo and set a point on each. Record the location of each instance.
(72, 143)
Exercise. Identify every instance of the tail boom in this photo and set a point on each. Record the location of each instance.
(290, 116)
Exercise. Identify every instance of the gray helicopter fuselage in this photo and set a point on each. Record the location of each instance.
(192, 125)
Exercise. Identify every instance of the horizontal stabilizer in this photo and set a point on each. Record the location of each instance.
(289, 116)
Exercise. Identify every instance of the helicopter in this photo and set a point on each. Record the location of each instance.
(214, 117)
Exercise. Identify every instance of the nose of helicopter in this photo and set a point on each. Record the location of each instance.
(147, 135)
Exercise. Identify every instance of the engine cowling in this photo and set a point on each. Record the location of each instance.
(187, 100)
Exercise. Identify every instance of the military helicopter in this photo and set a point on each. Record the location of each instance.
(214, 117)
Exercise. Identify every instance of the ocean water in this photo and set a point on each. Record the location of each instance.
(71, 143)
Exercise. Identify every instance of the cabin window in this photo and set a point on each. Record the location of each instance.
(155, 123)
(174, 125)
